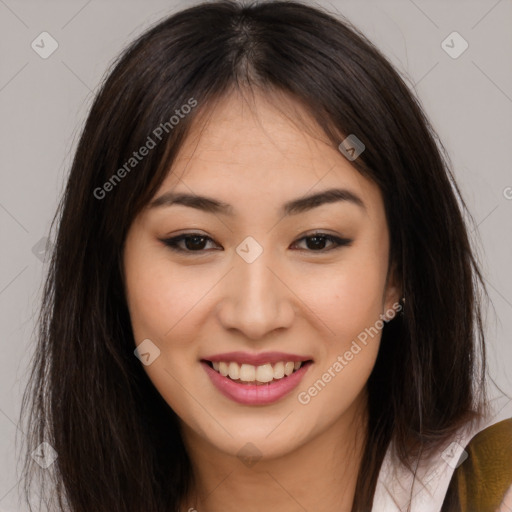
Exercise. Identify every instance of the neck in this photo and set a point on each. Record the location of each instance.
(320, 474)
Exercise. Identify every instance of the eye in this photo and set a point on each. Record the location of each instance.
(196, 242)
(317, 242)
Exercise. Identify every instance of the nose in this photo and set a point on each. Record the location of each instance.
(255, 299)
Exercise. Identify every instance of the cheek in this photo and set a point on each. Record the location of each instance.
(349, 302)
(162, 303)
(348, 298)
(161, 298)
(349, 305)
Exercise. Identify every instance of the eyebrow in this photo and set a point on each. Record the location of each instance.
(293, 207)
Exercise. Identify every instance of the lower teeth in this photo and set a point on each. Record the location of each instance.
(257, 382)
(253, 383)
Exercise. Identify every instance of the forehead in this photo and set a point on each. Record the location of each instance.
(247, 146)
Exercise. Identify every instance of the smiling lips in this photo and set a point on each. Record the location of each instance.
(256, 378)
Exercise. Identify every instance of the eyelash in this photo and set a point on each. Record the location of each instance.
(172, 243)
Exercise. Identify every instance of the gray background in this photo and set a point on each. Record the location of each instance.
(43, 103)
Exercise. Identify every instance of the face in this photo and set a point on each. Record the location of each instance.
(265, 280)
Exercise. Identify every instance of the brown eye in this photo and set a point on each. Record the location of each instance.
(318, 241)
(194, 242)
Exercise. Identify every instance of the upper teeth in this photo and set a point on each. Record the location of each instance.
(249, 373)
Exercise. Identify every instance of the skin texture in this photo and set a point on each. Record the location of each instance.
(293, 298)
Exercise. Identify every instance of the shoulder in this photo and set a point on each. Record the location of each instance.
(482, 481)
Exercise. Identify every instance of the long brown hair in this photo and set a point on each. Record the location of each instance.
(118, 443)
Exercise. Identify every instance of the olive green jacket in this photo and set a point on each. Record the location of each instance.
(480, 483)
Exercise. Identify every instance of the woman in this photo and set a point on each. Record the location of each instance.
(262, 296)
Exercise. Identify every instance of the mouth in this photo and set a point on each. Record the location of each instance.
(252, 385)
(253, 375)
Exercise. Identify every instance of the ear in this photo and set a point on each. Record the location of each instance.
(393, 291)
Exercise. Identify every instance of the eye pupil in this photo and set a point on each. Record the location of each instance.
(318, 242)
(192, 243)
